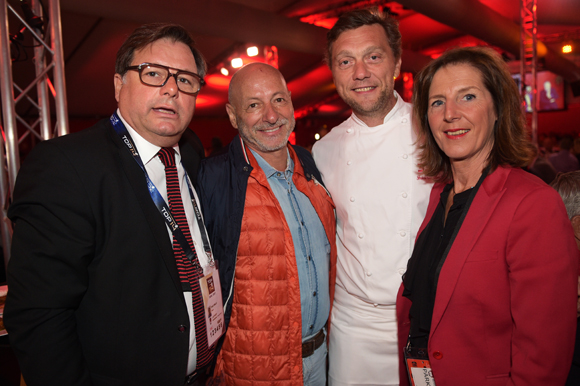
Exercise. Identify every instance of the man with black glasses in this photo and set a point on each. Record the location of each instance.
(111, 266)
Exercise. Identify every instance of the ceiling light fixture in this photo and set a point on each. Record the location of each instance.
(252, 51)
(567, 48)
(237, 62)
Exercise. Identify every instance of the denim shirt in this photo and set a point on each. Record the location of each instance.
(311, 246)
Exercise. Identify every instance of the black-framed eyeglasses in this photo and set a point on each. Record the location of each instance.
(156, 75)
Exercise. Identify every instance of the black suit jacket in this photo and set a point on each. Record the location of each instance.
(94, 292)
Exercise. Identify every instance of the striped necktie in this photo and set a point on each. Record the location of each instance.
(189, 271)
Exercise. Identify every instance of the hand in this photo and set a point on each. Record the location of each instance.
(219, 380)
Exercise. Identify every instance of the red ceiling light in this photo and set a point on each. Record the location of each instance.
(218, 81)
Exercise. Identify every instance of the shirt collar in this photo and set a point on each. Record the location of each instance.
(269, 171)
(146, 149)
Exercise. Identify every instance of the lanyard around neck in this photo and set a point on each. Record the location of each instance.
(158, 200)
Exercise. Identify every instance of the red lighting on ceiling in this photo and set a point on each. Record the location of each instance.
(241, 57)
(206, 100)
(217, 81)
(324, 23)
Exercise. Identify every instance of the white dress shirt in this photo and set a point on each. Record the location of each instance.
(156, 171)
(372, 175)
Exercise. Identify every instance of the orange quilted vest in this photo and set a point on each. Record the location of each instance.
(263, 343)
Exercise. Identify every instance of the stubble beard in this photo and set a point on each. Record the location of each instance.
(243, 131)
(379, 107)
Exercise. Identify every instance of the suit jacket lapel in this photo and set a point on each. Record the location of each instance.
(433, 203)
(155, 221)
(191, 154)
(477, 218)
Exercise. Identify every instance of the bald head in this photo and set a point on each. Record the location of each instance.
(249, 73)
(261, 109)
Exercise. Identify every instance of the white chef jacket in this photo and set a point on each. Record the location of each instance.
(372, 175)
(381, 200)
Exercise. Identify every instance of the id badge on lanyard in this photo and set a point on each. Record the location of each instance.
(418, 367)
(211, 291)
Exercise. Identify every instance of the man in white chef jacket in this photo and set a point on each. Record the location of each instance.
(369, 165)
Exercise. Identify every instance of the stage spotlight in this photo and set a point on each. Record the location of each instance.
(237, 62)
(252, 51)
(567, 48)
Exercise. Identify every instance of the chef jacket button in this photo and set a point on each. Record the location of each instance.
(352, 199)
(404, 195)
(405, 156)
(376, 304)
(182, 328)
(349, 131)
(360, 235)
(369, 273)
(404, 120)
(245, 168)
(348, 162)
(437, 354)
(403, 233)
(401, 271)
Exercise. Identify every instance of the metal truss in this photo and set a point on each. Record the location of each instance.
(529, 62)
(48, 60)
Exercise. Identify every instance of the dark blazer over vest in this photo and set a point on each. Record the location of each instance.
(94, 293)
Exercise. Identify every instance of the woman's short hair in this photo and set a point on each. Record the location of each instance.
(511, 145)
(150, 33)
(359, 18)
(568, 186)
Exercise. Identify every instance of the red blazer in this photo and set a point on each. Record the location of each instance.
(505, 308)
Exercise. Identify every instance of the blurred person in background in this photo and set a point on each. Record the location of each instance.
(564, 161)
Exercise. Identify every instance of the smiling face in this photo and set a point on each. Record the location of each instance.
(364, 68)
(158, 114)
(461, 116)
(261, 109)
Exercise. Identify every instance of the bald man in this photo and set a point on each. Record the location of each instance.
(271, 223)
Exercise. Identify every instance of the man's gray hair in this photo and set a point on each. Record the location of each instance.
(568, 186)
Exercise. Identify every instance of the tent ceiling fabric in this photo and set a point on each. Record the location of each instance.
(93, 31)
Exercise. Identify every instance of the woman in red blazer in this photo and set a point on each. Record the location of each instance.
(489, 296)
